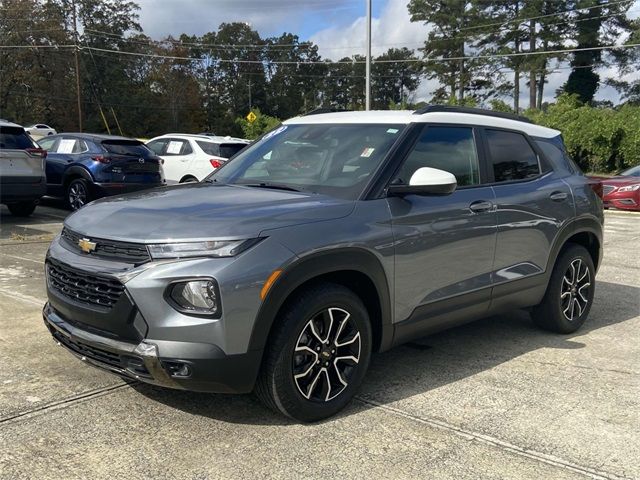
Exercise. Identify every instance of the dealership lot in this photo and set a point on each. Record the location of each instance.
(494, 399)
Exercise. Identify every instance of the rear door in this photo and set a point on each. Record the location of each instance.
(177, 155)
(444, 245)
(64, 152)
(533, 205)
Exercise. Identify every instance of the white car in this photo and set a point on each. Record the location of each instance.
(190, 158)
(40, 130)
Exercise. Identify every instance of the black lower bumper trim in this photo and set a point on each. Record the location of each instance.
(158, 361)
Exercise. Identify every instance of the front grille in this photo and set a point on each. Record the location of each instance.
(83, 287)
(122, 251)
(607, 189)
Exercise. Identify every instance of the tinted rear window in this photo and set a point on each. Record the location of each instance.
(228, 150)
(14, 138)
(126, 147)
(512, 156)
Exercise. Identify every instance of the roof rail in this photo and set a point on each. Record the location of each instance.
(472, 111)
(320, 110)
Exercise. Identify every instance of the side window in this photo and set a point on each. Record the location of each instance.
(157, 146)
(80, 147)
(558, 158)
(177, 146)
(66, 145)
(452, 149)
(512, 157)
(47, 143)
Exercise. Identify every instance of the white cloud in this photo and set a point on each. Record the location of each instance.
(393, 29)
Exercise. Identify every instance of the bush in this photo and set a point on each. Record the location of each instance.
(260, 126)
(598, 139)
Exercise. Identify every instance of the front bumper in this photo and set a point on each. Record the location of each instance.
(158, 362)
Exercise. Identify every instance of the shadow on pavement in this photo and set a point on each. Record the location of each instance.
(35, 227)
(427, 364)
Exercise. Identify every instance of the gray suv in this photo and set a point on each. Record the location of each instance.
(333, 236)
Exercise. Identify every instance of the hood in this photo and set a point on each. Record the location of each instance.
(202, 211)
(620, 181)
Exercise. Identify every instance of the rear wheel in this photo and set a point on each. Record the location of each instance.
(78, 193)
(318, 354)
(22, 209)
(569, 296)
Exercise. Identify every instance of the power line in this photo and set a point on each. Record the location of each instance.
(522, 20)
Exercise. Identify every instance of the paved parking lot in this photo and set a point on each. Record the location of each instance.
(493, 399)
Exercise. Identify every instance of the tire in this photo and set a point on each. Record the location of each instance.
(22, 209)
(189, 179)
(78, 193)
(319, 391)
(569, 296)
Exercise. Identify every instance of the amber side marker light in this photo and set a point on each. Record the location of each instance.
(269, 283)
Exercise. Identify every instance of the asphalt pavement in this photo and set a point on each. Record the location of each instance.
(494, 399)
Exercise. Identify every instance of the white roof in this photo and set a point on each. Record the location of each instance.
(204, 138)
(407, 116)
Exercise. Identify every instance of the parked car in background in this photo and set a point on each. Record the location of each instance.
(40, 130)
(623, 190)
(22, 170)
(190, 158)
(81, 167)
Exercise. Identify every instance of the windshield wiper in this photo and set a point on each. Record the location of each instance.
(275, 186)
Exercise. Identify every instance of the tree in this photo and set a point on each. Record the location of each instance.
(449, 21)
(261, 125)
(592, 28)
(393, 81)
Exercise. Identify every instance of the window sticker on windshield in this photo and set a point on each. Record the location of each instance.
(275, 132)
(66, 146)
(174, 147)
(367, 152)
(392, 130)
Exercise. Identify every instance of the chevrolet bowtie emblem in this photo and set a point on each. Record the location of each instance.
(86, 245)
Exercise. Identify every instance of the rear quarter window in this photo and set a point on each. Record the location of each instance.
(14, 138)
(228, 150)
(554, 150)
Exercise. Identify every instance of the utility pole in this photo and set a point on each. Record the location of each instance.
(75, 50)
(368, 72)
(249, 95)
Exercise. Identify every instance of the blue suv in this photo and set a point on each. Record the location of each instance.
(82, 167)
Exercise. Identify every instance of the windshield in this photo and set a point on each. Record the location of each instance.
(335, 160)
(631, 172)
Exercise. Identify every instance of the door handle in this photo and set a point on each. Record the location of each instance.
(480, 206)
(558, 196)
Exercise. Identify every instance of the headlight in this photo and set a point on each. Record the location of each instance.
(213, 248)
(195, 296)
(629, 188)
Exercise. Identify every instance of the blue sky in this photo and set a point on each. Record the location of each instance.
(336, 26)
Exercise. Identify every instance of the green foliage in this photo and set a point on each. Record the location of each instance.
(500, 106)
(598, 139)
(260, 126)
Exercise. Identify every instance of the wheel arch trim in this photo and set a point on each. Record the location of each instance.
(315, 265)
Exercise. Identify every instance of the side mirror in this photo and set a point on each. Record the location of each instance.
(427, 181)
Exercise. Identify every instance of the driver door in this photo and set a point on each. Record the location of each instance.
(444, 245)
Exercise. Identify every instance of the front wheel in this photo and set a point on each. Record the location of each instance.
(318, 354)
(569, 296)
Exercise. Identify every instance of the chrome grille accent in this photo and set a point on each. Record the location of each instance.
(111, 249)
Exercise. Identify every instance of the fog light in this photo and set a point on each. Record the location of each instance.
(196, 296)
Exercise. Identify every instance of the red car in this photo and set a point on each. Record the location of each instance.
(623, 190)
